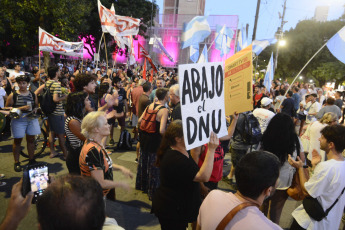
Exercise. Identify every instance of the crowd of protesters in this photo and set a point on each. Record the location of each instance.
(299, 136)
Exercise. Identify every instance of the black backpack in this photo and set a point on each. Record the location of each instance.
(251, 131)
(47, 104)
(125, 142)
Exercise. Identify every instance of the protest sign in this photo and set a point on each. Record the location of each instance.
(49, 43)
(202, 102)
(238, 82)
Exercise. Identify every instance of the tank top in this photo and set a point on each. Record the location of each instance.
(22, 100)
(74, 141)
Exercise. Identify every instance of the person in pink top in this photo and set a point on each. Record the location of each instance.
(256, 176)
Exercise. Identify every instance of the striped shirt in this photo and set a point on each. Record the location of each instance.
(75, 142)
(56, 89)
(94, 157)
(22, 100)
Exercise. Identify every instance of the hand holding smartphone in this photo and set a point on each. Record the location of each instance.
(35, 179)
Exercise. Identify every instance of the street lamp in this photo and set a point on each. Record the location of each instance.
(301, 77)
(311, 81)
(282, 43)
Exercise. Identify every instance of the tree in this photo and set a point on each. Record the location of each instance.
(302, 43)
(21, 19)
(334, 71)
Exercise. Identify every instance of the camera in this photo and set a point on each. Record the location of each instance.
(35, 179)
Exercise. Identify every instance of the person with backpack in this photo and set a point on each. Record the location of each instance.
(26, 102)
(153, 124)
(246, 137)
(52, 106)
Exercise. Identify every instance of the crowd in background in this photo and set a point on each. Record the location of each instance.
(295, 124)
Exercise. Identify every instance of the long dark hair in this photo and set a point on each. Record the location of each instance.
(75, 104)
(174, 130)
(103, 88)
(280, 137)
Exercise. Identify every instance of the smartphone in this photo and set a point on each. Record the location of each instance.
(35, 179)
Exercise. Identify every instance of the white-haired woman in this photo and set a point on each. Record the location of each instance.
(94, 160)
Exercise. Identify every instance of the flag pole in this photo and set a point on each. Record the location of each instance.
(301, 71)
(106, 53)
(82, 62)
(99, 48)
(39, 67)
(114, 61)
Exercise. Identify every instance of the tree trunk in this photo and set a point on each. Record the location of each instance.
(46, 56)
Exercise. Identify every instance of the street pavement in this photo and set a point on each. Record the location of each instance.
(131, 209)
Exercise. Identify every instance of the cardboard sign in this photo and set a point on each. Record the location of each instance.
(238, 82)
(202, 102)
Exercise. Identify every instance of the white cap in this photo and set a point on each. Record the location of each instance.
(266, 101)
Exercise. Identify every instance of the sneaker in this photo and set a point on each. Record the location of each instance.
(136, 160)
(111, 142)
(32, 162)
(2, 183)
(2, 176)
(17, 167)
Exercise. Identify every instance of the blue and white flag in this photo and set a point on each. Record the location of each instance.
(159, 48)
(195, 31)
(260, 45)
(269, 74)
(336, 45)
(223, 39)
(242, 40)
(194, 53)
(203, 57)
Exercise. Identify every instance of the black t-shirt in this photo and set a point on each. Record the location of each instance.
(122, 98)
(176, 112)
(289, 107)
(178, 197)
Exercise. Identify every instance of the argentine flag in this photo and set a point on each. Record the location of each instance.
(260, 45)
(194, 52)
(223, 39)
(195, 31)
(336, 45)
(269, 74)
(203, 57)
(241, 40)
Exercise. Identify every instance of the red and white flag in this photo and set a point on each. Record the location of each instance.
(117, 25)
(49, 43)
(143, 53)
(144, 70)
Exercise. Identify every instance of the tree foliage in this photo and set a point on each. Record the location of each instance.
(69, 19)
(302, 43)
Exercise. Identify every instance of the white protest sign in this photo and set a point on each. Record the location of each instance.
(49, 43)
(202, 102)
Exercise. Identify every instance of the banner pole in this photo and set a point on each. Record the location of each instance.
(301, 71)
(99, 48)
(39, 67)
(106, 53)
(114, 61)
(82, 62)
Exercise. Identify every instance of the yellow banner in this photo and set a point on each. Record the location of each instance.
(238, 89)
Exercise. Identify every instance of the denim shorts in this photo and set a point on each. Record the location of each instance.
(24, 125)
(56, 123)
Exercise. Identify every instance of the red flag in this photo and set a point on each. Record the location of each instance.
(144, 70)
(151, 77)
(143, 53)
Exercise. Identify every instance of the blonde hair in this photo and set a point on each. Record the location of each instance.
(90, 122)
(328, 118)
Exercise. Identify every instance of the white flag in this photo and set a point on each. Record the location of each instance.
(49, 43)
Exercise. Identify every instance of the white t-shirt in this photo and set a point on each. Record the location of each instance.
(313, 109)
(314, 143)
(264, 116)
(218, 204)
(2, 95)
(325, 184)
(279, 99)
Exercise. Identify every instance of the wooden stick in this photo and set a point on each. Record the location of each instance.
(82, 61)
(39, 66)
(106, 53)
(99, 48)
